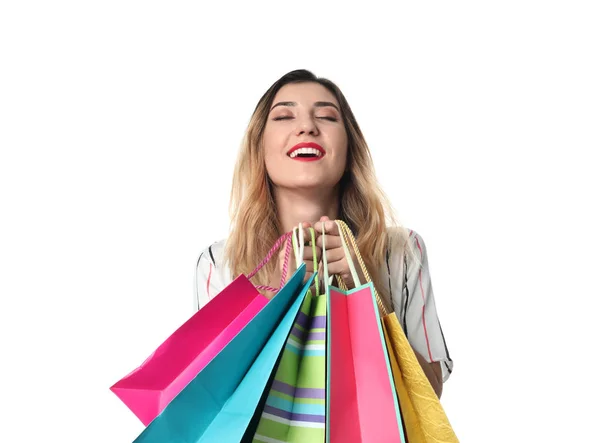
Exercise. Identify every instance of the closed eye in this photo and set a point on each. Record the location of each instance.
(331, 119)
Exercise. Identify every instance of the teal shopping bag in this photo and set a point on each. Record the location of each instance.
(218, 404)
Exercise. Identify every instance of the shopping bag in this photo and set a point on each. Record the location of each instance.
(149, 388)
(412, 428)
(424, 417)
(218, 404)
(294, 411)
(362, 404)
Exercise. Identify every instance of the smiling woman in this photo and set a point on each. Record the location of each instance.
(305, 160)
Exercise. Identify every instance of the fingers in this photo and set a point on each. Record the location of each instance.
(308, 257)
(330, 226)
(331, 241)
(334, 256)
(339, 267)
(306, 232)
(308, 253)
(307, 236)
(335, 268)
(336, 262)
(310, 266)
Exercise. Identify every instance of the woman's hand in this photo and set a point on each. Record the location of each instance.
(337, 264)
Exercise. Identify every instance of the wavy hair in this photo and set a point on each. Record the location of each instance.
(363, 205)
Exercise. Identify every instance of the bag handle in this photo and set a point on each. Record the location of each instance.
(315, 261)
(341, 283)
(355, 277)
(327, 279)
(299, 252)
(284, 238)
(298, 244)
(346, 234)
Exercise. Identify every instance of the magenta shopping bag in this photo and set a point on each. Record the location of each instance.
(151, 387)
(362, 406)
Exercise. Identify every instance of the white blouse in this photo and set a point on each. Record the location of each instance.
(409, 285)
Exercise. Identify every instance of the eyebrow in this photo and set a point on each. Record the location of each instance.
(316, 104)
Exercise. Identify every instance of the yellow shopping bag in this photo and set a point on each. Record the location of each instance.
(424, 417)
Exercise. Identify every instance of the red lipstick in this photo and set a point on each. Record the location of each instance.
(310, 152)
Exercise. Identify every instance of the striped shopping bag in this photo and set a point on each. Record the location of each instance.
(295, 406)
(294, 411)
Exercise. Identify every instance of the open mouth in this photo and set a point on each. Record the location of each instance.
(306, 153)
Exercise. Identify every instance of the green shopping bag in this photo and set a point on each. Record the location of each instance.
(294, 411)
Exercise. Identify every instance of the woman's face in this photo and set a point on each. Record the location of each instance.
(305, 140)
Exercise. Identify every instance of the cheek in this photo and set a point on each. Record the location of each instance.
(342, 154)
(271, 148)
(341, 142)
(271, 142)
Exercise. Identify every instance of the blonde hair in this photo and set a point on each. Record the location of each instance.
(363, 205)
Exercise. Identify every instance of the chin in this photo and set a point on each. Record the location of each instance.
(306, 181)
(309, 185)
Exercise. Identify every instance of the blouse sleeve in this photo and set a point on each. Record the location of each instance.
(209, 280)
(414, 304)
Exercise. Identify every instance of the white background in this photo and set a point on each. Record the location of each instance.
(119, 126)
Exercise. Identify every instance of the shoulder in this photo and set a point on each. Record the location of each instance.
(406, 246)
(401, 237)
(214, 254)
(417, 243)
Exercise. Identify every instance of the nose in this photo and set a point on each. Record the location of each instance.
(306, 125)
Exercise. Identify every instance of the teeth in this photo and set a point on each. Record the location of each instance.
(305, 151)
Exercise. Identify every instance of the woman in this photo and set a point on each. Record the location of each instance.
(304, 160)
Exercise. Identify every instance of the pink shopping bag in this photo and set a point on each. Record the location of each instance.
(362, 405)
(362, 399)
(151, 387)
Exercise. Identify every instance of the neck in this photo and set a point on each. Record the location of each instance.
(295, 206)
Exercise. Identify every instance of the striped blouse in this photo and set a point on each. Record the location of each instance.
(409, 285)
